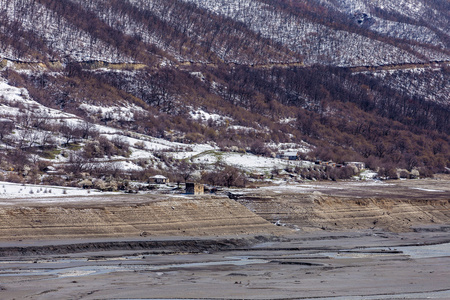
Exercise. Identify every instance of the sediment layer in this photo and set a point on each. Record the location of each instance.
(312, 212)
(168, 217)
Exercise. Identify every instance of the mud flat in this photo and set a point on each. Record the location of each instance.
(347, 265)
(328, 245)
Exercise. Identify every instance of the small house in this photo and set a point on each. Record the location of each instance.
(159, 179)
(195, 188)
(356, 164)
(288, 155)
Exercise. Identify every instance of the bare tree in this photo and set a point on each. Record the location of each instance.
(70, 132)
(185, 170)
(78, 164)
(6, 127)
(88, 130)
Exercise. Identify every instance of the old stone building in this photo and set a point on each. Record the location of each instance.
(195, 188)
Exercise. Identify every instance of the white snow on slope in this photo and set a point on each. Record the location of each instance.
(15, 190)
(246, 161)
(319, 43)
(59, 34)
(12, 98)
(202, 115)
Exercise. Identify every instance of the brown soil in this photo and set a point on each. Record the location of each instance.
(313, 211)
(394, 206)
(168, 216)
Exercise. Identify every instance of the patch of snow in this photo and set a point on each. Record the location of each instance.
(14, 96)
(198, 75)
(41, 193)
(288, 120)
(241, 128)
(368, 174)
(122, 113)
(428, 190)
(303, 147)
(246, 161)
(202, 115)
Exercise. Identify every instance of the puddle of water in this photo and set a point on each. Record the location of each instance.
(351, 254)
(427, 190)
(428, 251)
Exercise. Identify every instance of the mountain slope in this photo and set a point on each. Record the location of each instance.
(354, 80)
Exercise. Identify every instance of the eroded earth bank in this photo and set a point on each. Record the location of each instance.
(346, 240)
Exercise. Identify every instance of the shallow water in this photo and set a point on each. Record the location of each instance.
(415, 252)
(428, 251)
(97, 270)
(427, 295)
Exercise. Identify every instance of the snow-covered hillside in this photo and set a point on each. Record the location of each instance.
(34, 126)
(319, 43)
(123, 90)
(250, 32)
(430, 83)
(316, 42)
(62, 37)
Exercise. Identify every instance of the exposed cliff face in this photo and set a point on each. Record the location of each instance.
(318, 211)
(174, 217)
(207, 216)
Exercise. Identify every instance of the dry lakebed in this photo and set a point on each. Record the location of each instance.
(345, 240)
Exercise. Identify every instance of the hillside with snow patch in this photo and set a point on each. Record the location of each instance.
(110, 92)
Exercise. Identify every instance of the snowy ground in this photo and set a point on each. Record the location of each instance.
(10, 190)
(247, 161)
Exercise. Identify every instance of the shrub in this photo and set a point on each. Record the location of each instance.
(225, 176)
(259, 148)
(404, 174)
(426, 172)
(92, 149)
(122, 146)
(85, 184)
(14, 177)
(53, 180)
(140, 145)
